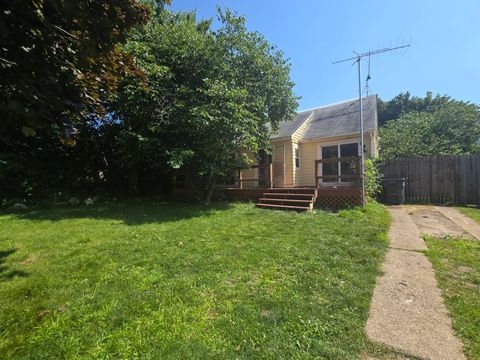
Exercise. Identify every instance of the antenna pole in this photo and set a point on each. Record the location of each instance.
(358, 59)
(362, 151)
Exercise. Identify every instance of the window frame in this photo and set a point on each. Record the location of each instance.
(339, 166)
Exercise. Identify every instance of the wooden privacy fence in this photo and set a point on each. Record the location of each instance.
(438, 179)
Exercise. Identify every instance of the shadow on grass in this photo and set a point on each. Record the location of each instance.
(129, 212)
(5, 272)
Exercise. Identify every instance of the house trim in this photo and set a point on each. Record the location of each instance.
(279, 139)
(337, 137)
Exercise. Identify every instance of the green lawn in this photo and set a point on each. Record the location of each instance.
(457, 267)
(156, 280)
(472, 212)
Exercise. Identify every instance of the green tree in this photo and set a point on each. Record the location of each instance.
(59, 57)
(405, 103)
(454, 128)
(211, 96)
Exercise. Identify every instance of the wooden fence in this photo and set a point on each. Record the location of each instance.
(438, 179)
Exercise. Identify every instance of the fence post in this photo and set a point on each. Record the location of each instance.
(240, 179)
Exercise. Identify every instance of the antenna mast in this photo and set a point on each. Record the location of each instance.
(357, 60)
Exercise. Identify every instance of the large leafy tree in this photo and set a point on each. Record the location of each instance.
(405, 103)
(210, 96)
(58, 57)
(453, 128)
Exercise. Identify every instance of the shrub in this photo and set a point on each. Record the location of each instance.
(373, 179)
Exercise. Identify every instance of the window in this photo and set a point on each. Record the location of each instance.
(297, 157)
(330, 169)
(333, 171)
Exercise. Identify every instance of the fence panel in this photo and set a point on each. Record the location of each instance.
(438, 179)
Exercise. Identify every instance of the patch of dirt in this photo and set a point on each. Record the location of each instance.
(471, 285)
(43, 313)
(431, 222)
(265, 313)
(29, 260)
(464, 269)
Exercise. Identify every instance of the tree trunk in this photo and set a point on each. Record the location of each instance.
(210, 189)
(133, 181)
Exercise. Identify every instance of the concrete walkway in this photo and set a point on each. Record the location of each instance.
(407, 311)
(467, 224)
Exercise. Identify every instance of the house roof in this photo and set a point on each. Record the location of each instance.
(332, 120)
(287, 128)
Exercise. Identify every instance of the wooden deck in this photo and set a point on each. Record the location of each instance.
(332, 192)
(299, 198)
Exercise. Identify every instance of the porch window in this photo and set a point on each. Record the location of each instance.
(336, 169)
(297, 157)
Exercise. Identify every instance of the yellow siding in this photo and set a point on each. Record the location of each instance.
(370, 146)
(305, 174)
(296, 136)
(288, 160)
(309, 152)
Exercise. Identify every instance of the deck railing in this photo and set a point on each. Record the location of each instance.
(339, 178)
(265, 181)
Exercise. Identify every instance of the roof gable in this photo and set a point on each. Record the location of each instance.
(332, 120)
(288, 128)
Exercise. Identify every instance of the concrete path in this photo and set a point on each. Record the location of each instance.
(467, 224)
(407, 311)
(431, 221)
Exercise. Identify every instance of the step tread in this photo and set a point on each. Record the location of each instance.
(291, 190)
(286, 200)
(283, 206)
(287, 194)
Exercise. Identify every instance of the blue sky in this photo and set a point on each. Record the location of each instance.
(444, 57)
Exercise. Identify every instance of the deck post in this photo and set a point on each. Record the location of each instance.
(316, 173)
(270, 175)
(240, 179)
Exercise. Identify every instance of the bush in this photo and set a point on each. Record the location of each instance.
(373, 179)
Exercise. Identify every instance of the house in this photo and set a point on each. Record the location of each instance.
(320, 149)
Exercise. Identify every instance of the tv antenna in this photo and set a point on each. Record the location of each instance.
(357, 60)
(368, 91)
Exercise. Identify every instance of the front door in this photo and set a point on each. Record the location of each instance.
(278, 166)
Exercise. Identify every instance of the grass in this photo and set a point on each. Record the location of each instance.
(472, 212)
(155, 280)
(457, 267)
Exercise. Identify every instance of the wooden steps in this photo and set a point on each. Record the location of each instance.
(283, 207)
(273, 195)
(299, 199)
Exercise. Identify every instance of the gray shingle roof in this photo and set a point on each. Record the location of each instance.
(333, 120)
(287, 128)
